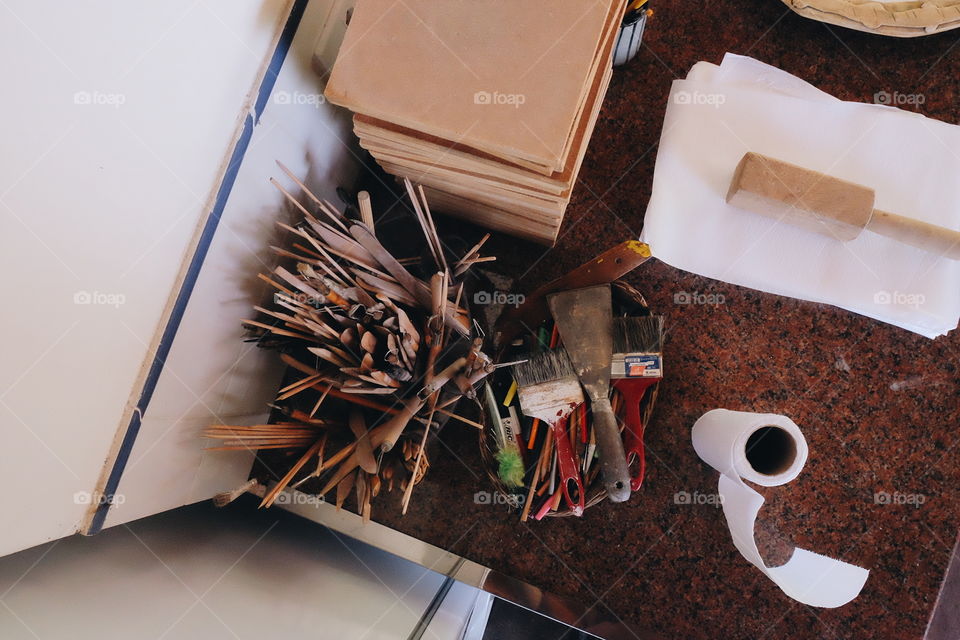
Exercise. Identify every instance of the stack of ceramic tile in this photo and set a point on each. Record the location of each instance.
(490, 105)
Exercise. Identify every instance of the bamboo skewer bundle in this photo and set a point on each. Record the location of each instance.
(388, 352)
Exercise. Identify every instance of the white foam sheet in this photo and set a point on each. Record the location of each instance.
(720, 112)
(720, 438)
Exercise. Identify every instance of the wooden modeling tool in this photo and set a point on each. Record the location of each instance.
(637, 365)
(366, 209)
(393, 427)
(549, 390)
(610, 265)
(584, 318)
(364, 449)
(827, 205)
(385, 348)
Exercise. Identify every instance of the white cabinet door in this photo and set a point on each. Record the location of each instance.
(117, 122)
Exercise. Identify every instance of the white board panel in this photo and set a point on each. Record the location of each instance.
(211, 376)
(116, 121)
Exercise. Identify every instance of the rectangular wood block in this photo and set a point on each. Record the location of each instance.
(800, 197)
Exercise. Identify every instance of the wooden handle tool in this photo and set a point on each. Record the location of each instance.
(393, 427)
(827, 205)
(414, 287)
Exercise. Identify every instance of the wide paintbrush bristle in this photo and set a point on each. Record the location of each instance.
(638, 335)
(547, 385)
(545, 366)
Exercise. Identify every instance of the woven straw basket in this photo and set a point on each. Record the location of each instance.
(906, 19)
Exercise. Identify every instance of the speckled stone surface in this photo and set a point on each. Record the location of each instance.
(880, 407)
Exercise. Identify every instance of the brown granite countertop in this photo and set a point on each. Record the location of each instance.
(879, 406)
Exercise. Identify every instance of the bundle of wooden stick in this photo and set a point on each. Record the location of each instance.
(389, 354)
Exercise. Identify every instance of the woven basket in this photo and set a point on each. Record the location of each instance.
(906, 19)
(627, 301)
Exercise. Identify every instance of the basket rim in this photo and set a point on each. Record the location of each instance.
(904, 19)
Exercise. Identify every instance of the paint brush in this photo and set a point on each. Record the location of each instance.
(636, 366)
(224, 498)
(549, 390)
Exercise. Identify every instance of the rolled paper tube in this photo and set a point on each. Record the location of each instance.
(770, 450)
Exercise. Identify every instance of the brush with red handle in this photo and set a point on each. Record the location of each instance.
(548, 389)
(636, 366)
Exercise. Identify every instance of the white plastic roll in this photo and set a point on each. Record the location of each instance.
(770, 450)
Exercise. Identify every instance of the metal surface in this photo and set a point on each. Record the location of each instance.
(629, 38)
(424, 622)
(584, 318)
(592, 617)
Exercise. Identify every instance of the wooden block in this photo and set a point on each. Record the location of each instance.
(827, 205)
(800, 197)
(514, 222)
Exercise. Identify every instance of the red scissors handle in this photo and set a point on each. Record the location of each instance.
(570, 479)
(633, 390)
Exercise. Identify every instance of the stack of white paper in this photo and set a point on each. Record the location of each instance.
(718, 113)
